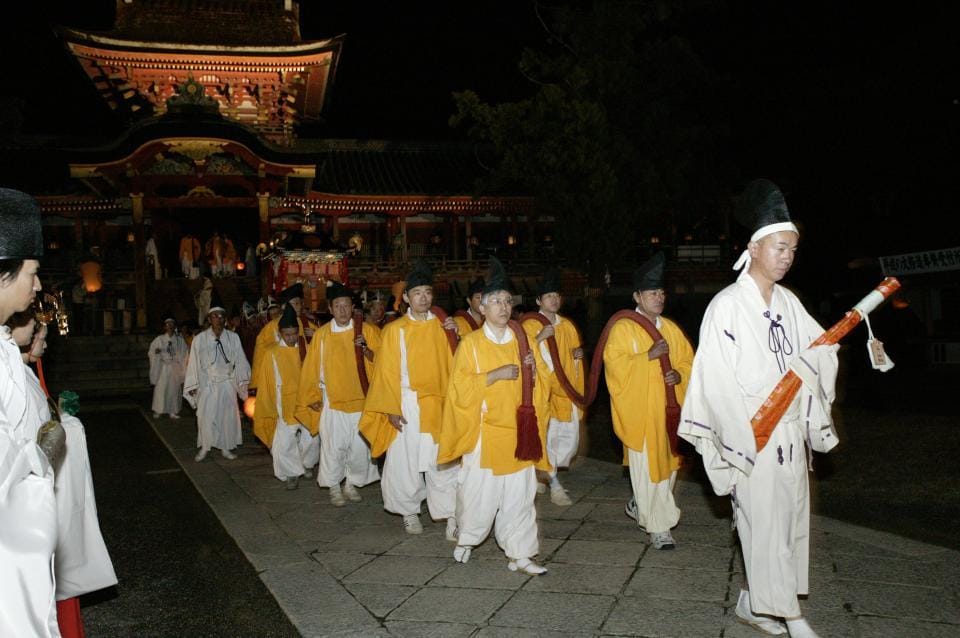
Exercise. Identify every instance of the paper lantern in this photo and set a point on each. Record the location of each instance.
(92, 275)
(249, 406)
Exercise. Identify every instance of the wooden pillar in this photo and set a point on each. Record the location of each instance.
(455, 236)
(469, 237)
(78, 232)
(139, 259)
(263, 210)
(335, 227)
(531, 235)
(515, 233)
(263, 207)
(404, 256)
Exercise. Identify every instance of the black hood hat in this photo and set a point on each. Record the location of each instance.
(216, 304)
(761, 204)
(291, 292)
(496, 278)
(762, 209)
(649, 276)
(336, 289)
(475, 286)
(288, 319)
(21, 233)
(549, 283)
(419, 275)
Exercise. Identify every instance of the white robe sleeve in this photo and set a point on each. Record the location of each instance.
(714, 417)
(191, 381)
(155, 361)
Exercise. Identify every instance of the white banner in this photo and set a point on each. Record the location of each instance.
(916, 263)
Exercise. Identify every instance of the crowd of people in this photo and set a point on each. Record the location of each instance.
(474, 414)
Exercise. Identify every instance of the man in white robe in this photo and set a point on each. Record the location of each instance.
(28, 510)
(752, 333)
(168, 360)
(217, 375)
(81, 562)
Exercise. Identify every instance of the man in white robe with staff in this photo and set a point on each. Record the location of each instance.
(217, 375)
(168, 361)
(753, 332)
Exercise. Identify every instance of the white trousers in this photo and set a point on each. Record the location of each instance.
(168, 393)
(411, 473)
(293, 450)
(505, 503)
(82, 563)
(771, 510)
(657, 510)
(563, 439)
(218, 417)
(343, 453)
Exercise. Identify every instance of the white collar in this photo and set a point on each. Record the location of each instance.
(335, 327)
(656, 323)
(430, 316)
(488, 332)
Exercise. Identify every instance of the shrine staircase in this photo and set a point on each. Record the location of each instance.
(99, 366)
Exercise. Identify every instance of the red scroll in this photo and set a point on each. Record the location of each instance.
(773, 409)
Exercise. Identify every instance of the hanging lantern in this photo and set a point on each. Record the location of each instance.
(92, 275)
(241, 266)
(250, 406)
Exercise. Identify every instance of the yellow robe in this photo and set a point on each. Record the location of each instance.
(268, 405)
(268, 335)
(637, 395)
(568, 338)
(336, 350)
(428, 364)
(463, 326)
(464, 418)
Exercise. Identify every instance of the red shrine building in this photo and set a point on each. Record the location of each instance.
(213, 142)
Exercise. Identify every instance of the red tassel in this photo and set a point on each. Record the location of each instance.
(673, 422)
(528, 436)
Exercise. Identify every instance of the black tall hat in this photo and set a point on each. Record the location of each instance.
(649, 276)
(216, 304)
(336, 289)
(21, 233)
(761, 204)
(496, 277)
(762, 209)
(288, 319)
(419, 275)
(292, 292)
(475, 286)
(549, 283)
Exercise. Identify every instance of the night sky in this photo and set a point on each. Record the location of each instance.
(852, 110)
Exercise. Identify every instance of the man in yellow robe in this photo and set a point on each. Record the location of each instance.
(563, 431)
(270, 333)
(293, 444)
(638, 403)
(474, 294)
(404, 405)
(330, 387)
(495, 489)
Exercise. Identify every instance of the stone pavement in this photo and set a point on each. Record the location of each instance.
(352, 571)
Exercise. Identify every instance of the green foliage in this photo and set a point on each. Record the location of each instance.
(617, 140)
